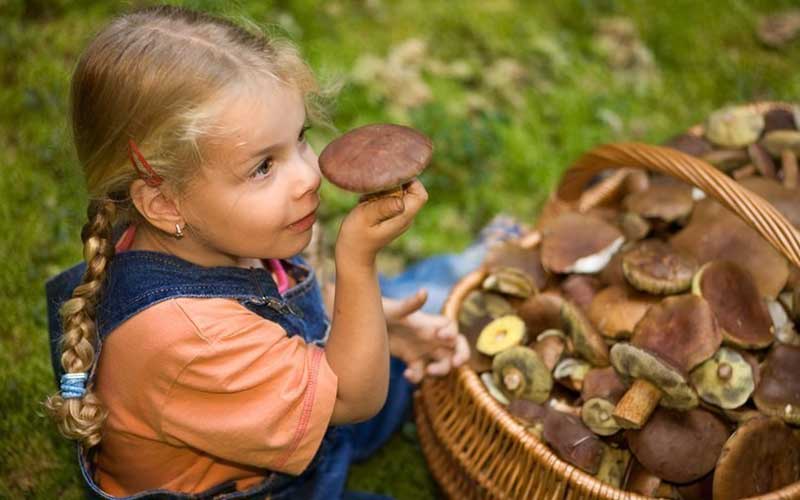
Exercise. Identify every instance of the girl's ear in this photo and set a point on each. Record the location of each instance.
(156, 206)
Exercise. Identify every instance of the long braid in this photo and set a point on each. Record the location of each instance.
(82, 418)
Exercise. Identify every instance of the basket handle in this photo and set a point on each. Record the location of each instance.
(751, 208)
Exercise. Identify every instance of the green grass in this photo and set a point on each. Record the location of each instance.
(561, 97)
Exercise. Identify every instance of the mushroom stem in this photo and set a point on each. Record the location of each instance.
(512, 379)
(724, 371)
(635, 407)
(789, 165)
(394, 191)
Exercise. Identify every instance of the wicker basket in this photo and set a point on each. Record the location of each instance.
(475, 449)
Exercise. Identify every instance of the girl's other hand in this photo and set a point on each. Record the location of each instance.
(429, 344)
(373, 224)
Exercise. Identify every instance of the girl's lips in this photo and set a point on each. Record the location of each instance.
(305, 223)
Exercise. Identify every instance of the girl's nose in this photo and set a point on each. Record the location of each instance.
(307, 177)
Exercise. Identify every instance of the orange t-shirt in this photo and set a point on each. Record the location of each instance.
(202, 391)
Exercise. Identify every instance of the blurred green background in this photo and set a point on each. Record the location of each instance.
(510, 93)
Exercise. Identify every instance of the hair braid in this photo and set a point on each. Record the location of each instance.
(82, 418)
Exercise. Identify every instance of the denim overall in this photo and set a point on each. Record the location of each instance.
(138, 279)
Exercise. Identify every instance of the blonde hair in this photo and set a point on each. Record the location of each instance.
(151, 76)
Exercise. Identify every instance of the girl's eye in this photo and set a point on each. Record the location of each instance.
(263, 169)
(302, 136)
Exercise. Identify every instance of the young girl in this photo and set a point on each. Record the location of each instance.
(194, 355)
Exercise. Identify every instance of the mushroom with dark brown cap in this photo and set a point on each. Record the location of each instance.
(725, 380)
(578, 243)
(376, 158)
(513, 254)
(520, 373)
(761, 456)
(634, 226)
(587, 342)
(673, 337)
(653, 266)
(691, 144)
(572, 441)
(666, 200)
(733, 296)
(679, 446)
(778, 391)
(541, 312)
(550, 346)
(580, 289)
(529, 414)
(602, 388)
(785, 200)
(477, 310)
(500, 334)
(616, 309)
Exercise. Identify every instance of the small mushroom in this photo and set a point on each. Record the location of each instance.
(570, 373)
(690, 144)
(734, 126)
(510, 281)
(520, 373)
(492, 389)
(375, 159)
(679, 446)
(587, 343)
(577, 243)
(782, 325)
(615, 310)
(763, 455)
(725, 380)
(727, 160)
(733, 296)
(778, 119)
(634, 226)
(601, 390)
(778, 391)
(477, 310)
(613, 465)
(500, 334)
(666, 200)
(541, 312)
(514, 254)
(670, 340)
(550, 346)
(785, 144)
(572, 441)
(653, 266)
(761, 160)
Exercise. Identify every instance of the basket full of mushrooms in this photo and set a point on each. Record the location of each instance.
(642, 341)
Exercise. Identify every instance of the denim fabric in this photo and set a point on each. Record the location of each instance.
(137, 280)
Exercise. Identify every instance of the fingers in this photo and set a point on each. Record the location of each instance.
(448, 331)
(439, 367)
(384, 208)
(410, 304)
(461, 351)
(415, 371)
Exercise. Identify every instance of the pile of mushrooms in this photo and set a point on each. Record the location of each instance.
(649, 336)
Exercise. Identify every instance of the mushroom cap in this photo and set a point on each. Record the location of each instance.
(785, 200)
(500, 334)
(510, 281)
(570, 373)
(681, 330)
(541, 312)
(778, 140)
(571, 238)
(665, 199)
(734, 126)
(597, 414)
(679, 446)
(778, 391)
(632, 362)
(634, 226)
(550, 347)
(527, 412)
(511, 254)
(761, 456)
(716, 233)
(491, 387)
(725, 380)
(653, 266)
(587, 343)
(520, 373)
(603, 383)
(477, 310)
(375, 157)
(727, 159)
(691, 144)
(613, 465)
(573, 441)
(580, 289)
(779, 118)
(616, 309)
(733, 296)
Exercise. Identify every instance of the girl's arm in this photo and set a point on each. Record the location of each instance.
(358, 348)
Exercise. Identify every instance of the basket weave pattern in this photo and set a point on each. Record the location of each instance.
(475, 449)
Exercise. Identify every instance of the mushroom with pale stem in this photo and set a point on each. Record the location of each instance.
(679, 446)
(653, 266)
(674, 336)
(716, 233)
(782, 325)
(761, 456)
(734, 126)
(725, 380)
(500, 334)
(586, 342)
(572, 441)
(520, 373)
(616, 309)
(602, 388)
(570, 373)
(578, 243)
(376, 160)
(510, 281)
(786, 145)
(666, 200)
(477, 310)
(731, 292)
(778, 392)
(550, 346)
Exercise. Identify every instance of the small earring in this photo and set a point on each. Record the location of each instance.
(178, 231)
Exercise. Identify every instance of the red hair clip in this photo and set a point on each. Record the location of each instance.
(145, 171)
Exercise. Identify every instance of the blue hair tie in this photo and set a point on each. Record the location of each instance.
(73, 385)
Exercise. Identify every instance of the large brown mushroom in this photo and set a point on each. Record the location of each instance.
(653, 266)
(731, 292)
(778, 391)
(541, 312)
(615, 310)
(512, 254)
(673, 337)
(666, 200)
(375, 158)
(679, 446)
(763, 455)
(577, 243)
(572, 441)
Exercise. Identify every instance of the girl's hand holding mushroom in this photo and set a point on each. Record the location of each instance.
(429, 344)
